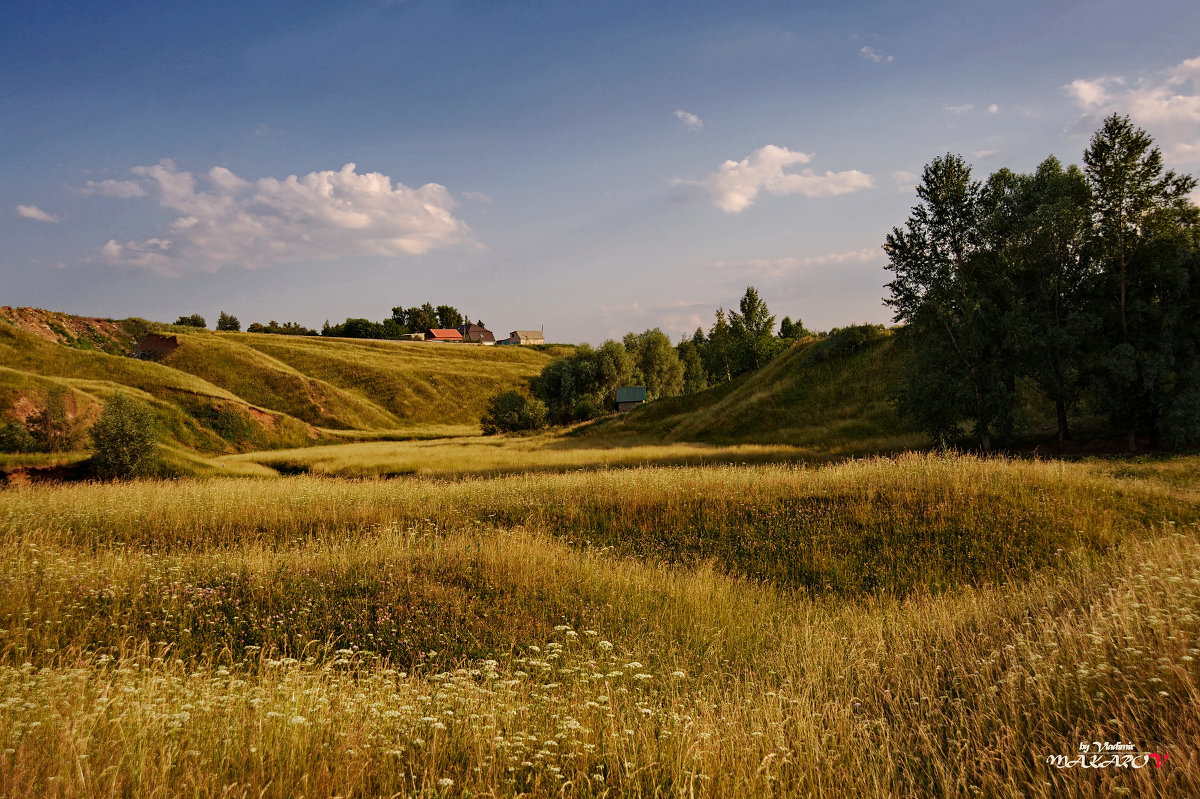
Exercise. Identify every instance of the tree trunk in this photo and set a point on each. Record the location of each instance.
(1064, 432)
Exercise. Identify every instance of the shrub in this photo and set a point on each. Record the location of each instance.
(195, 320)
(124, 439)
(512, 412)
(228, 322)
(15, 438)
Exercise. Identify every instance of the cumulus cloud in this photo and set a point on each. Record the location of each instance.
(33, 212)
(735, 185)
(222, 219)
(993, 109)
(114, 188)
(1166, 103)
(690, 121)
(961, 109)
(984, 153)
(871, 54)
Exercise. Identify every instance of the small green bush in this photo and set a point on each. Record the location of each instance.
(512, 412)
(124, 439)
(228, 322)
(15, 438)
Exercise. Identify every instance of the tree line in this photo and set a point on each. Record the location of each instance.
(1080, 283)
(582, 385)
(403, 321)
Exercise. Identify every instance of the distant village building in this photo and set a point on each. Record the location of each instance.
(526, 337)
(153, 346)
(413, 337)
(628, 398)
(477, 334)
(443, 335)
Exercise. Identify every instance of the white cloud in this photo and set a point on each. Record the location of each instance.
(779, 267)
(993, 109)
(960, 109)
(33, 212)
(690, 121)
(984, 153)
(1088, 93)
(871, 54)
(322, 215)
(735, 185)
(1166, 103)
(903, 177)
(114, 188)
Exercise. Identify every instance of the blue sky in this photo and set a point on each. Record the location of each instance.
(590, 167)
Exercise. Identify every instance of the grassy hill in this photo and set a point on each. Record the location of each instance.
(827, 395)
(220, 393)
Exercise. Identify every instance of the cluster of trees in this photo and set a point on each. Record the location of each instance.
(416, 319)
(123, 439)
(1081, 283)
(285, 329)
(582, 385)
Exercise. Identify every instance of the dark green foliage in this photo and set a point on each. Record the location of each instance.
(1082, 285)
(285, 329)
(356, 328)
(752, 331)
(512, 412)
(1038, 229)
(658, 366)
(124, 439)
(719, 354)
(16, 438)
(695, 378)
(449, 317)
(195, 320)
(228, 322)
(791, 331)
(946, 290)
(416, 319)
(582, 385)
(53, 427)
(1144, 230)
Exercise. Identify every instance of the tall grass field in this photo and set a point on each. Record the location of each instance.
(918, 625)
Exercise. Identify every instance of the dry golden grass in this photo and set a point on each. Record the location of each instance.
(475, 455)
(592, 634)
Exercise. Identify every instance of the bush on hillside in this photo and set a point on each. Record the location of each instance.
(124, 439)
(228, 322)
(195, 320)
(15, 438)
(512, 412)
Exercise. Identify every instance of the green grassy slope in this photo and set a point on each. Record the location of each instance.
(235, 392)
(354, 384)
(830, 395)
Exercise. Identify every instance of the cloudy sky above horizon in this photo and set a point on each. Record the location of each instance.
(593, 168)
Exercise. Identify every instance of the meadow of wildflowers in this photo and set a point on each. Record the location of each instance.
(926, 625)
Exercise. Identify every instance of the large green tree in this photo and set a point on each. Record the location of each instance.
(1037, 230)
(752, 329)
(1143, 235)
(946, 290)
(657, 361)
